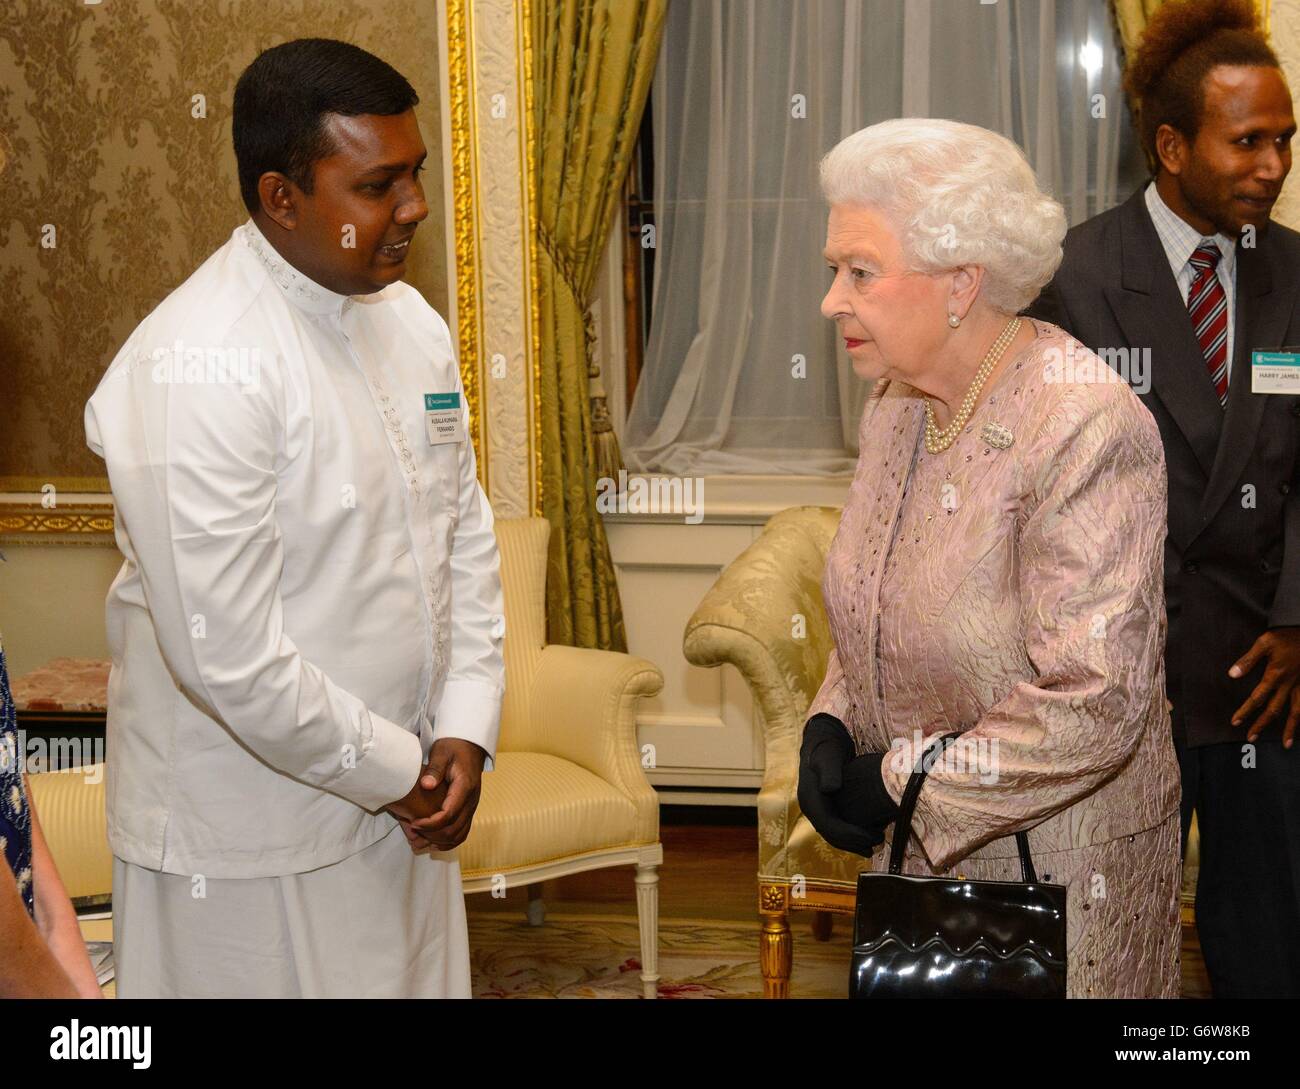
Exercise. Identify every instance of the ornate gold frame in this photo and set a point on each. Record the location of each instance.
(491, 96)
(77, 522)
(534, 289)
(464, 185)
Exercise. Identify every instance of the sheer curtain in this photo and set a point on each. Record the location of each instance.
(742, 374)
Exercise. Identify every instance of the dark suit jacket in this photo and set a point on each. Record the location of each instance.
(1232, 554)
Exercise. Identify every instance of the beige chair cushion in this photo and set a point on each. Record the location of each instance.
(537, 807)
(71, 811)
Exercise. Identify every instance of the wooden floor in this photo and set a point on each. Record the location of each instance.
(710, 862)
(708, 872)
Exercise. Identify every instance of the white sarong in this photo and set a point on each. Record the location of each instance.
(381, 923)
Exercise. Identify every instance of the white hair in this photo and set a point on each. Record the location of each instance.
(958, 195)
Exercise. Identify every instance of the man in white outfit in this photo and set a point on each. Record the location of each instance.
(307, 630)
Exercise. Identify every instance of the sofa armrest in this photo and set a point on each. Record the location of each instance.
(765, 616)
(582, 708)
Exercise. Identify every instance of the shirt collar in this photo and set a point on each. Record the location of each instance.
(302, 291)
(1180, 239)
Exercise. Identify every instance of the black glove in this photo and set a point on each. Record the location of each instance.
(827, 747)
(863, 800)
(826, 767)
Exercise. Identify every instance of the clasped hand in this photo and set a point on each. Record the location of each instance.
(842, 795)
(438, 810)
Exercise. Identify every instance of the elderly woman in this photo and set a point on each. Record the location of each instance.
(998, 566)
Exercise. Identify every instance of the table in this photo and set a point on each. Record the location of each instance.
(62, 709)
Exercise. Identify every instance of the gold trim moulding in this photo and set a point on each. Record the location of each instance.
(530, 182)
(464, 183)
(29, 522)
(96, 485)
(820, 894)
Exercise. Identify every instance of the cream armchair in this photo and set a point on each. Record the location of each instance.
(568, 792)
(765, 616)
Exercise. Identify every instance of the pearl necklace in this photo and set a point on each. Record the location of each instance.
(937, 441)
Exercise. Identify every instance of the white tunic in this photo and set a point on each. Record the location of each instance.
(311, 590)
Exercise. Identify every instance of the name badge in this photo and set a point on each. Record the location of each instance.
(442, 418)
(1275, 372)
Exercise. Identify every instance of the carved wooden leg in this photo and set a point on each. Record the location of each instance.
(647, 914)
(822, 923)
(536, 905)
(775, 948)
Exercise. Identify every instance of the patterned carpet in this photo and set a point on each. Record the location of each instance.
(594, 956)
(598, 956)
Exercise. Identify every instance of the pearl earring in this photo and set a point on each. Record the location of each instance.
(954, 320)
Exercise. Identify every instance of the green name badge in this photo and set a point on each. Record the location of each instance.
(1275, 372)
(442, 418)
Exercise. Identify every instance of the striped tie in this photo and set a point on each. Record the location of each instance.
(1208, 306)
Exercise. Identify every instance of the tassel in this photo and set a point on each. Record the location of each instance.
(609, 458)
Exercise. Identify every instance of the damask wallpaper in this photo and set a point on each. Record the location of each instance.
(115, 120)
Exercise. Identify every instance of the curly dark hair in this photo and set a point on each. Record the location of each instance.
(1164, 79)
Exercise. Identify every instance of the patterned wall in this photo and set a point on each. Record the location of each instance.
(97, 119)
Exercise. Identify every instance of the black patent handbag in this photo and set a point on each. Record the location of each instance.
(945, 937)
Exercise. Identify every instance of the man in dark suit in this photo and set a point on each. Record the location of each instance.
(1190, 276)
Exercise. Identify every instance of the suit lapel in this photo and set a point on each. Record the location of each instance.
(1151, 312)
(1261, 322)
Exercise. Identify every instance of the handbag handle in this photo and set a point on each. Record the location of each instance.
(903, 823)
